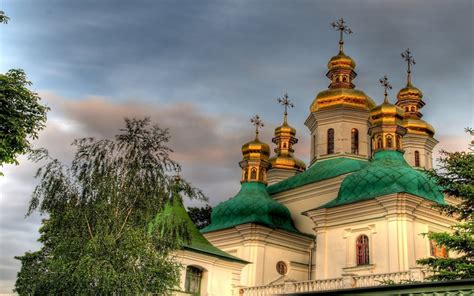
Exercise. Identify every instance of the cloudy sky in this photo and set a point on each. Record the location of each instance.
(203, 68)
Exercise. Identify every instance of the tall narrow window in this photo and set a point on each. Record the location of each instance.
(253, 174)
(330, 141)
(362, 250)
(379, 143)
(417, 158)
(354, 141)
(388, 140)
(193, 279)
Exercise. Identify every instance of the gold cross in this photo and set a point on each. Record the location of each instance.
(386, 85)
(340, 26)
(258, 124)
(406, 56)
(285, 101)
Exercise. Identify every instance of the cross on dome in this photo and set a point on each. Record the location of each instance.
(285, 101)
(386, 85)
(258, 123)
(340, 25)
(406, 55)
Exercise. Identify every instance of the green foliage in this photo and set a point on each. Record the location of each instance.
(21, 115)
(456, 176)
(3, 17)
(201, 216)
(96, 239)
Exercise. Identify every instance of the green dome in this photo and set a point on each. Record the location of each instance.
(387, 173)
(251, 205)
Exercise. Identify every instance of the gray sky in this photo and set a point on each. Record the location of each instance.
(203, 68)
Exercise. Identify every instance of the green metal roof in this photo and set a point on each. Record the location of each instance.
(320, 170)
(387, 173)
(175, 211)
(251, 205)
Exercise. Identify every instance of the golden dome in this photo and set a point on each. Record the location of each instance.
(386, 113)
(418, 126)
(409, 92)
(256, 149)
(285, 129)
(341, 61)
(348, 97)
(287, 162)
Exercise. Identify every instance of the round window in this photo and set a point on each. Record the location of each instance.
(281, 268)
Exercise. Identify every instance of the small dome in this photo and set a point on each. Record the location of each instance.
(409, 93)
(418, 126)
(287, 162)
(387, 173)
(251, 205)
(341, 61)
(285, 129)
(336, 97)
(387, 110)
(256, 148)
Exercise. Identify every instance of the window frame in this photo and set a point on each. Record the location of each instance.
(362, 250)
(354, 141)
(196, 273)
(330, 141)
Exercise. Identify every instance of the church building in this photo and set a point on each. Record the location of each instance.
(352, 217)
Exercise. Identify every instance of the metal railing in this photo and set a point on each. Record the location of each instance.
(345, 282)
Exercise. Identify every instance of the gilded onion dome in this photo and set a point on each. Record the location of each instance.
(386, 123)
(255, 157)
(410, 100)
(285, 138)
(341, 73)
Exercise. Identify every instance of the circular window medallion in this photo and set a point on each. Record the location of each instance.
(281, 268)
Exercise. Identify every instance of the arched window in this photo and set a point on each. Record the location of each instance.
(407, 109)
(330, 141)
(354, 141)
(379, 143)
(417, 158)
(362, 250)
(193, 279)
(253, 173)
(412, 109)
(388, 140)
(398, 142)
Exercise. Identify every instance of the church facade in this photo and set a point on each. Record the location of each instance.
(352, 217)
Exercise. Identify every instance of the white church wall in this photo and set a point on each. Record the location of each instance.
(264, 247)
(220, 277)
(308, 197)
(394, 225)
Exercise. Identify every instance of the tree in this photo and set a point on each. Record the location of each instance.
(201, 217)
(3, 17)
(21, 115)
(96, 239)
(456, 176)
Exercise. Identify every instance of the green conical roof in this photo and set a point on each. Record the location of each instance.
(387, 173)
(251, 205)
(174, 211)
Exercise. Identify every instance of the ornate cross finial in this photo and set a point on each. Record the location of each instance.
(386, 85)
(406, 55)
(258, 124)
(340, 25)
(285, 101)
